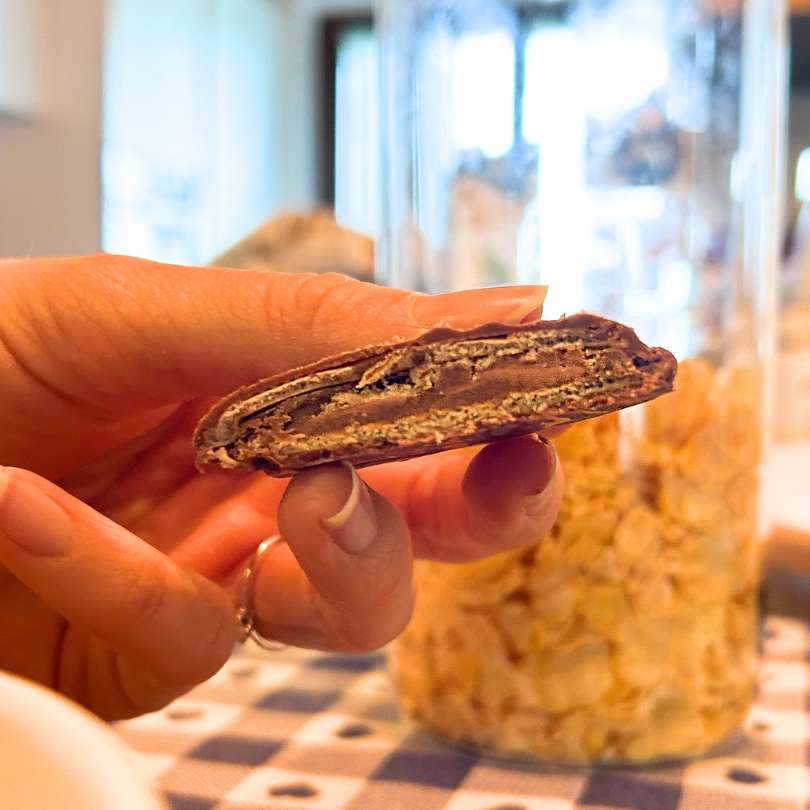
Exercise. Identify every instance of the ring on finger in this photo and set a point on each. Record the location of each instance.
(245, 613)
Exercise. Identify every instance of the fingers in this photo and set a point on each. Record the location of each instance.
(214, 522)
(343, 581)
(461, 508)
(173, 628)
(152, 334)
(456, 512)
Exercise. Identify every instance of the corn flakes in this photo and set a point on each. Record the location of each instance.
(626, 634)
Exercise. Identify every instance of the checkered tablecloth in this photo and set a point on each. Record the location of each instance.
(297, 730)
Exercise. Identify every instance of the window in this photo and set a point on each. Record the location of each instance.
(483, 93)
(482, 116)
(188, 125)
(356, 147)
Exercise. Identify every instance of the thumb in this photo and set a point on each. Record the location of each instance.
(116, 331)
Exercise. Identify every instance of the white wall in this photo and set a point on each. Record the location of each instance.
(192, 103)
(246, 182)
(50, 195)
(49, 175)
(298, 172)
(19, 65)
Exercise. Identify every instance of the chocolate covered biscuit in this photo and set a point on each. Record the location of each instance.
(444, 390)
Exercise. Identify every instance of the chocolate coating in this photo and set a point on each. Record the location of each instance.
(444, 390)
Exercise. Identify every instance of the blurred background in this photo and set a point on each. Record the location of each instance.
(170, 129)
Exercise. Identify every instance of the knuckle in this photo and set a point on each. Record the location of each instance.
(324, 297)
(208, 658)
(410, 304)
(218, 644)
(210, 641)
(315, 304)
(218, 632)
(309, 295)
(144, 601)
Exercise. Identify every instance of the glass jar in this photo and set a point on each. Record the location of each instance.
(792, 377)
(628, 153)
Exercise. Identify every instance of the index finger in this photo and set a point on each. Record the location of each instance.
(165, 334)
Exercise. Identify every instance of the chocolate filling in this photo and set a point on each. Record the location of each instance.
(453, 385)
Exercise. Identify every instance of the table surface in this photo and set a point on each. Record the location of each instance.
(303, 730)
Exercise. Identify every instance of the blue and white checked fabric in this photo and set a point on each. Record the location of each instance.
(321, 732)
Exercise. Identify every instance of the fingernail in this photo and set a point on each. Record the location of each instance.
(512, 305)
(31, 520)
(539, 501)
(354, 526)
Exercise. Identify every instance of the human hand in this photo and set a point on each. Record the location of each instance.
(119, 564)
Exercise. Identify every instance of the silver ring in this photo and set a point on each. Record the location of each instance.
(244, 613)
